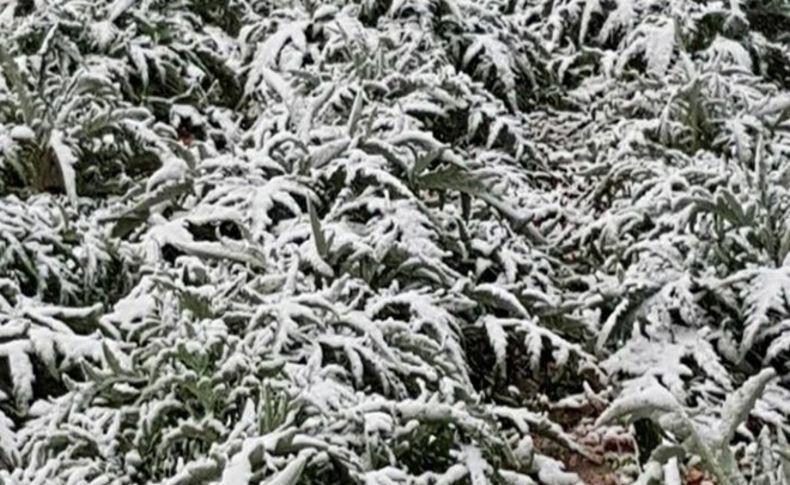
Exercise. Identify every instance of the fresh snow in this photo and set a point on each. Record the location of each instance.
(408, 242)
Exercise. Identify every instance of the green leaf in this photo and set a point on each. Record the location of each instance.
(318, 233)
(133, 218)
(424, 161)
(451, 178)
(356, 112)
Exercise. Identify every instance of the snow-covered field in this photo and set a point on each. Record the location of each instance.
(394, 242)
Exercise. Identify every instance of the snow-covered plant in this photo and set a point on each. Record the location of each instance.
(705, 436)
(59, 122)
(393, 242)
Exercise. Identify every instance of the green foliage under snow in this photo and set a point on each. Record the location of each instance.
(394, 241)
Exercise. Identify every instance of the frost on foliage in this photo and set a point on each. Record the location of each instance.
(739, 404)
(666, 361)
(66, 161)
(45, 334)
(767, 292)
(371, 242)
(709, 439)
(533, 336)
(643, 398)
(656, 42)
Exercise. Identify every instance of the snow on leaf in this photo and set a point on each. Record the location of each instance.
(21, 370)
(118, 7)
(66, 160)
(768, 290)
(659, 48)
(498, 339)
(8, 440)
(739, 404)
(621, 19)
(732, 50)
(292, 472)
(172, 169)
(548, 173)
(645, 400)
(611, 322)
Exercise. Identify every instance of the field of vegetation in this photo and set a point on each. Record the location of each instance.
(395, 242)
